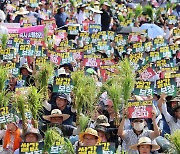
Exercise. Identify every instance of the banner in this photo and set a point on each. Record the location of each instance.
(147, 74)
(94, 28)
(142, 109)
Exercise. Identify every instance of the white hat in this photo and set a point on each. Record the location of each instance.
(61, 71)
(22, 11)
(96, 9)
(56, 113)
(107, 4)
(145, 141)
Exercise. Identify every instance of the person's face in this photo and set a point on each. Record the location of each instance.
(110, 109)
(12, 128)
(104, 7)
(177, 113)
(102, 135)
(144, 149)
(32, 138)
(89, 140)
(62, 9)
(24, 72)
(60, 102)
(12, 80)
(56, 120)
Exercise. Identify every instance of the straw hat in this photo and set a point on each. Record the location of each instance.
(96, 3)
(56, 113)
(61, 71)
(22, 11)
(145, 141)
(102, 120)
(32, 131)
(89, 131)
(96, 9)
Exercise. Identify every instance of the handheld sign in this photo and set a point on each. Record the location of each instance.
(89, 150)
(142, 109)
(32, 148)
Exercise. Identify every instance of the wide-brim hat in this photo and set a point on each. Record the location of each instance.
(62, 5)
(96, 10)
(96, 3)
(32, 131)
(82, 5)
(22, 11)
(145, 141)
(26, 66)
(56, 113)
(89, 131)
(102, 120)
(107, 4)
(100, 128)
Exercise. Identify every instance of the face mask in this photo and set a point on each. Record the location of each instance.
(138, 126)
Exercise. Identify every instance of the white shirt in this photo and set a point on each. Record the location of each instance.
(80, 17)
(170, 120)
(97, 18)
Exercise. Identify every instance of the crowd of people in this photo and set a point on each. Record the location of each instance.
(146, 32)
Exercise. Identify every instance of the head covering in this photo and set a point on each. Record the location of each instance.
(145, 141)
(22, 11)
(102, 120)
(61, 71)
(56, 113)
(106, 3)
(26, 66)
(89, 131)
(100, 128)
(32, 131)
(96, 9)
(62, 95)
(82, 5)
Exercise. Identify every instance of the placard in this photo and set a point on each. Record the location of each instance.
(141, 109)
(94, 28)
(167, 86)
(89, 150)
(31, 148)
(143, 88)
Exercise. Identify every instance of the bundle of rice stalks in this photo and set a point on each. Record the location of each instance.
(83, 122)
(113, 88)
(138, 11)
(130, 15)
(84, 90)
(148, 10)
(5, 98)
(175, 140)
(67, 147)
(35, 99)
(50, 139)
(3, 77)
(45, 34)
(121, 18)
(20, 104)
(42, 77)
(4, 41)
(127, 76)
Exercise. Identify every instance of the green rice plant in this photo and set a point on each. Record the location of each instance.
(121, 18)
(20, 104)
(84, 90)
(67, 147)
(175, 140)
(127, 76)
(130, 15)
(35, 99)
(83, 122)
(3, 77)
(138, 11)
(148, 10)
(45, 34)
(50, 139)
(4, 40)
(42, 78)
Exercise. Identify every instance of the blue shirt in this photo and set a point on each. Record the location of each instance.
(61, 19)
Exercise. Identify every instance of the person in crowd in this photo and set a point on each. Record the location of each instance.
(106, 17)
(131, 136)
(173, 121)
(96, 14)
(11, 138)
(32, 135)
(61, 16)
(89, 137)
(3, 29)
(145, 146)
(26, 73)
(62, 104)
(56, 119)
(80, 15)
(20, 14)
